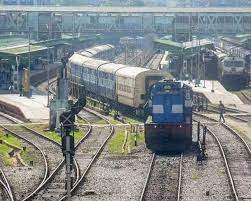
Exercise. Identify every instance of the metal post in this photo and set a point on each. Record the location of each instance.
(18, 62)
(48, 86)
(212, 86)
(198, 132)
(204, 69)
(126, 54)
(204, 135)
(29, 52)
(136, 136)
(68, 166)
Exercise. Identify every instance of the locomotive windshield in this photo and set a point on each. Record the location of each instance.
(229, 63)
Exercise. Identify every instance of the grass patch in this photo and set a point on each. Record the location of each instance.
(10, 139)
(81, 121)
(242, 133)
(195, 177)
(4, 150)
(101, 121)
(29, 155)
(132, 120)
(116, 144)
(53, 135)
(114, 121)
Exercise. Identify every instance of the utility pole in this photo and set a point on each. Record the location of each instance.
(29, 51)
(48, 85)
(29, 62)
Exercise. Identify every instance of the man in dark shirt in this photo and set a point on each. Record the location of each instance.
(222, 111)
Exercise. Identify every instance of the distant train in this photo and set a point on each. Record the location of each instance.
(124, 87)
(234, 72)
(169, 126)
(168, 63)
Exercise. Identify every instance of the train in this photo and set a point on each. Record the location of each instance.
(168, 63)
(231, 70)
(125, 88)
(106, 52)
(234, 72)
(140, 92)
(169, 125)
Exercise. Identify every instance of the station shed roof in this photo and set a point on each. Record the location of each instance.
(168, 45)
(19, 50)
(198, 43)
(188, 48)
(52, 43)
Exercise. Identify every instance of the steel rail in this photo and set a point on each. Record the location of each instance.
(239, 136)
(48, 177)
(230, 129)
(46, 171)
(227, 109)
(61, 164)
(230, 177)
(96, 155)
(246, 97)
(247, 147)
(143, 193)
(180, 177)
(5, 183)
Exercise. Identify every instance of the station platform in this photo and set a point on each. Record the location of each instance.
(220, 93)
(32, 109)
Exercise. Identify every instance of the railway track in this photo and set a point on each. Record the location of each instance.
(7, 193)
(45, 170)
(4, 119)
(244, 98)
(48, 148)
(164, 178)
(88, 151)
(90, 117)
(237, 157)
(154, 63)
(54, 186)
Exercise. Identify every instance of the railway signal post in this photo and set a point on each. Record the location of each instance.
(67, 126)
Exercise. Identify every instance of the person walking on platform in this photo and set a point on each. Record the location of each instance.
(222, 111)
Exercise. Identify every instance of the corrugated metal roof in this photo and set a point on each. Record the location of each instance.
(196, 43)
(168, 42)
(111, 67)
(131, 72)
(95, 50)
(78, 59)
(94, 63)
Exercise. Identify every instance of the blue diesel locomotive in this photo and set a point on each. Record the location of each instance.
(169, 125)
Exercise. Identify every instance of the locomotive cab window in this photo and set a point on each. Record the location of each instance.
(238, 63)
